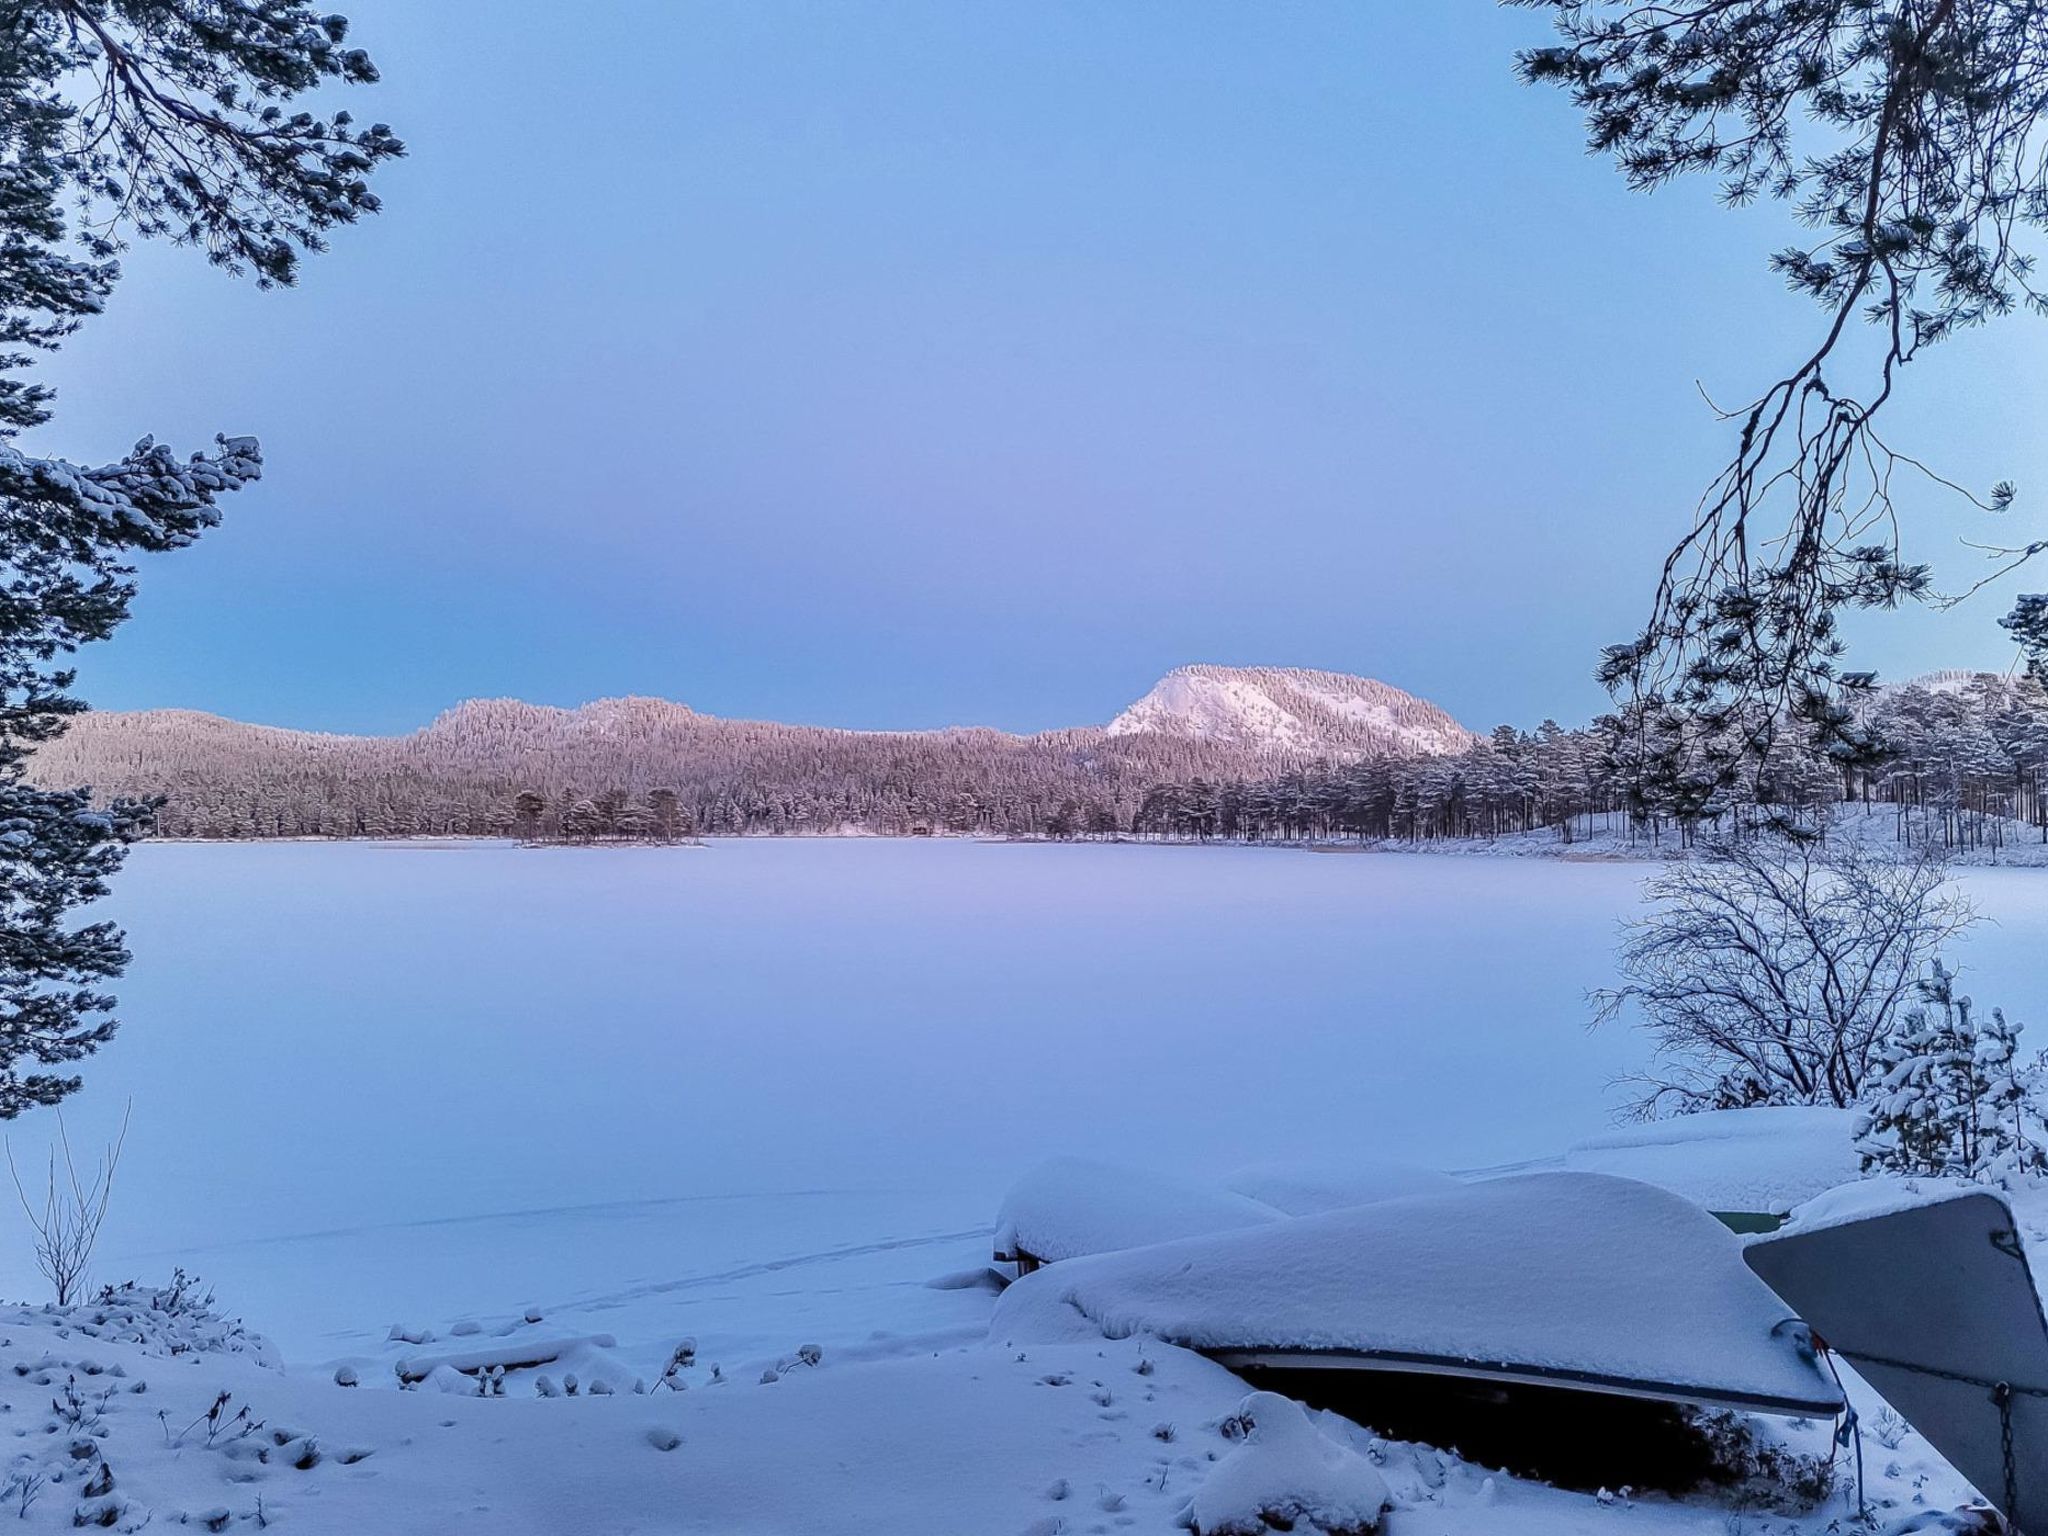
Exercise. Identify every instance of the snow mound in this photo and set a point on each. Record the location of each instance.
(1286, 1476)
(1310, 1189)
(1072, 1206)
(1767, 1159)
(1572, 1276)
(1293, 709)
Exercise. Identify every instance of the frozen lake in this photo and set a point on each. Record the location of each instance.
(373, 1082)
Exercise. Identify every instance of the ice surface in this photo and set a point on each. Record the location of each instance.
(1069, 1206)
(1764, 1159)
(1551, 1272)
(374, 1082)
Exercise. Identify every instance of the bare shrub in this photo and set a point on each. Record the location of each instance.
(1773, 970)
(74, 1207)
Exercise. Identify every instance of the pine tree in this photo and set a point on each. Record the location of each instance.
(160, 118)
(2028, 624)
(528, 806)
(1953, 1099)
(669, 817)
(1904, 134)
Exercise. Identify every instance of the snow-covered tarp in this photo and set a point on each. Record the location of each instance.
(1309, 1189)
(1767, 1159)
(1073, 1206)
(1576, 1279)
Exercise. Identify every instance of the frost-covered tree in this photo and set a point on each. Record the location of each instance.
(583, 822)
(1905, 135)
(1774, 970)
(168, 118)
(1952, 1097)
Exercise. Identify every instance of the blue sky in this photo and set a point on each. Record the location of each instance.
(906, 364)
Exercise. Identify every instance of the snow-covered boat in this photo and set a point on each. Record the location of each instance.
(1310, 1189)
(1567, 1280)
(1070, 1207)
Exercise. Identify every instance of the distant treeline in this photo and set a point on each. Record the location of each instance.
(1961, 759)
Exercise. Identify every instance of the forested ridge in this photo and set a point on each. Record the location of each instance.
(1967, 754)
(466, 774)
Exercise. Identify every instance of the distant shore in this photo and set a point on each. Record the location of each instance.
(2019, 848)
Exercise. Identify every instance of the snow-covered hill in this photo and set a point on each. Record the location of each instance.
(1948, 680)
(1292, 709)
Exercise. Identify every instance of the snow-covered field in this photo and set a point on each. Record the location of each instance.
(762, 1093)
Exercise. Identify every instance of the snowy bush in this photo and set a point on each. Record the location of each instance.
(1758, 1472)
(173, 1320)
(1953, 1099)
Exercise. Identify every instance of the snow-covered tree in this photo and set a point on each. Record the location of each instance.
(1952, 1096)
(164, 118)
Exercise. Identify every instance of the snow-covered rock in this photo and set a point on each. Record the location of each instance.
(1285, 1475)
(1295, 710)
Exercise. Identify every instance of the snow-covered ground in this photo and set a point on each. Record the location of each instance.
(762, 1095)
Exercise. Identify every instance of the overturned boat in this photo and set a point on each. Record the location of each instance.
(1563, 1279)
(1554, 1318)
